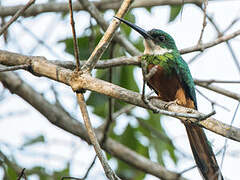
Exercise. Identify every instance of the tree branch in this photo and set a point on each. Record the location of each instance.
(211, 43)
(14, 18)
(101, 5)
(210, 81)
(13, 59)
(62, 119)
(108, 171)
(13, 68)
(40, 66)
(219, 90)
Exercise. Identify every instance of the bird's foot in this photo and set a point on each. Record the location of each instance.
(175, 102)
(153, 97)
(146, 100)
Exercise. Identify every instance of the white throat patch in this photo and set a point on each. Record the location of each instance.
(151, 48)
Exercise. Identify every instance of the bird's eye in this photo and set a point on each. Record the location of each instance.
(161, 38)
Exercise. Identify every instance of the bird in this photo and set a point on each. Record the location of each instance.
(173, 83)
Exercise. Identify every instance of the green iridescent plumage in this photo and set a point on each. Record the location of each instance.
(173, 63)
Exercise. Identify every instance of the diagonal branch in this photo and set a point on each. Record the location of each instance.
(219, 90)
(105, 41)
(211, 43)
(14, 18)
(90, 7)
(108, 171)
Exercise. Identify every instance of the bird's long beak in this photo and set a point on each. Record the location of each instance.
(136, 28)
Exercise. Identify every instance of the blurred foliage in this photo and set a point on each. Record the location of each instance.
(148, 128)
(34, 140)
(11, 172)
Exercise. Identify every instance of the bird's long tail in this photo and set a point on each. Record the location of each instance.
(202, 152)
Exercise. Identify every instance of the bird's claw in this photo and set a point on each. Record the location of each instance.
(152, 97)
(175, 102)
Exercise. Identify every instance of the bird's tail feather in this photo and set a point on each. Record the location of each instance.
(202, 152)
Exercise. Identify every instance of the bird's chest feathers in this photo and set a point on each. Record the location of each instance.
(165, 61)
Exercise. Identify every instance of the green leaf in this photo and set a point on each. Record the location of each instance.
(174, 12)
(129, 138)
(11, 173)
(34, 140)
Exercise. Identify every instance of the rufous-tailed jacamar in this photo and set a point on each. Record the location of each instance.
(173, 82)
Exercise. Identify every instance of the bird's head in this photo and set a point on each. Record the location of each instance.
(156, 41)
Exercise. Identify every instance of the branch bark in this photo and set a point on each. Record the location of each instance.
(83, 107)
(13, 59)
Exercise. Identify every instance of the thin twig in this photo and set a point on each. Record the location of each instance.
(13, 68)
(219, 90)
(46, 34)
(210, 43)
(226, 140)
(215, 81)
(90, 167)
(125, 109)
(83, 107)
(14, 18)
(69, 177)
(211, 101)
(231, 24)
(233, 56)
(22, 174)
(39, 40)
(105, 40)
(188, 169)
(76, 54)
(110, 103)
(204, 21)
(86, 174)
(220, 34)
(195, 57)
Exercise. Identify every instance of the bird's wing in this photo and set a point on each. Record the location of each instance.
(185, 77)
